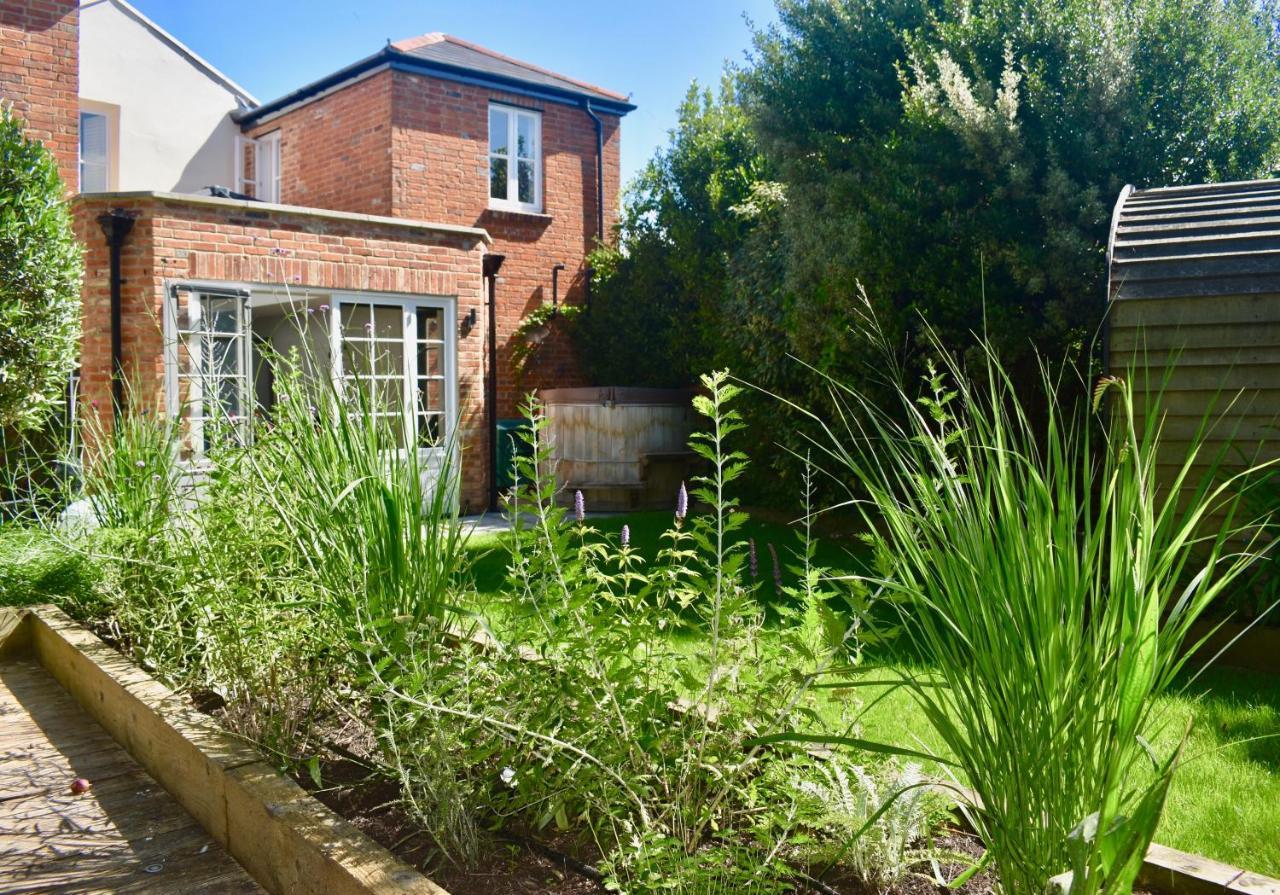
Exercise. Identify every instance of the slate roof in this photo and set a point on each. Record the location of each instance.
(446, 49)
(444, 56)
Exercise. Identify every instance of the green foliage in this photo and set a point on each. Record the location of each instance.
(958, 160)
(582, 710)
(132, 476)
(1052, 583)
(39, 280)
(374, 523)
(527, 338)
(37, 568)
(654, 297)
(961, 160)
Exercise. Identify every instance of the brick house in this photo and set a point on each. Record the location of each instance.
(398, 218)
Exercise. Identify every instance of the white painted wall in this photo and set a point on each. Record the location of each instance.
(174, 115)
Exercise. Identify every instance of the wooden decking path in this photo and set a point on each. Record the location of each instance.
(125, 835)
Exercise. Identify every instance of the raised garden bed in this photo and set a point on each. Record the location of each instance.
(284, 839)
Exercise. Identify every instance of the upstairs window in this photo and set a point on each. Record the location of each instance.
(258, 167)
(95, 156)
(515, 159)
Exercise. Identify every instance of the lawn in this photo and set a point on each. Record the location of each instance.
(1225, 802)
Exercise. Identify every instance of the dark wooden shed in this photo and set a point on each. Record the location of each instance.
(1194, 291)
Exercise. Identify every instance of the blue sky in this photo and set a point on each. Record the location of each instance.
(650, 48)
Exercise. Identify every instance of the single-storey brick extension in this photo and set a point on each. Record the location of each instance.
(398, 219)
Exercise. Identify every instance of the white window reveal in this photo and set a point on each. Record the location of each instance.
(209, 381)
(258, 167)
(515, 159)
(395, 354)
(95, 160)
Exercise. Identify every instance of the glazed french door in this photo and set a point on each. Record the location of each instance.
(400, 354)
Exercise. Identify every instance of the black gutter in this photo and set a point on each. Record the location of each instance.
(116, 225)
(599, 170)
(399, 61)
(491, 265)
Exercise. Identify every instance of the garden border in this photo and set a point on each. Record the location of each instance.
(285, 839)
(1166, 871)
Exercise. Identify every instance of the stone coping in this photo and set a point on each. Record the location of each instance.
(250, 205)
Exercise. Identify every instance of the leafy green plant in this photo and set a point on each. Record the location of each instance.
(132, 476)
(1051, 577)
(375, 522)
(39, 279)
(872, 821)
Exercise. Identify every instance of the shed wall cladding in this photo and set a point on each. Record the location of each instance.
(1194, 290)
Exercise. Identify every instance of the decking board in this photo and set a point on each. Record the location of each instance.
(126, 835)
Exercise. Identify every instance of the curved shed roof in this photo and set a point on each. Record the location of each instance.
(1190, 241)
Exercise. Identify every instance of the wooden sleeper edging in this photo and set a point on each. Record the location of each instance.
(285, 839)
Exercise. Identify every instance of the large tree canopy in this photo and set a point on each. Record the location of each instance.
(956, 159)
(655, 300)
(951, 155)
(39, 280)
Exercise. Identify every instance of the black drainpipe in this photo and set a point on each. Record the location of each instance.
(492, 264)
(555, 288)
(599, 170)
(116, 224)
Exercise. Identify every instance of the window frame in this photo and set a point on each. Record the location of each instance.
(266, 164)
(255, 297)
(177, 340)
(110, 115)
(410, 374)
(265, 182)
(512, 159)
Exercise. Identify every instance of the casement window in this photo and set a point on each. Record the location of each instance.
(258, 167)
(209, 366)
(395, 352)
(515, 159)
(95, 152)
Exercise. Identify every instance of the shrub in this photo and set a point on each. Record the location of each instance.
(39, 280)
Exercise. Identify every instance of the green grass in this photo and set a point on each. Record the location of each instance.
(489, 558)
(1225, 801)
(35, 568)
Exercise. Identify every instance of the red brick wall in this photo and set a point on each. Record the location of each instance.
(441, 173)
(40, 75)
(335, 152)
(216, 241)
(416, 147)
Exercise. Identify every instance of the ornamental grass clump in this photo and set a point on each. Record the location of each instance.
(374, 522)
(1050, 576)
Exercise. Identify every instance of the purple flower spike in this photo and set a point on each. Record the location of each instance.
(755, 560)
(777, 569)
(682, 503)
(579, 507)
(626, 536)
(324, 307)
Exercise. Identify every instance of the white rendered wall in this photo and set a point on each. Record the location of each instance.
(174, 120)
